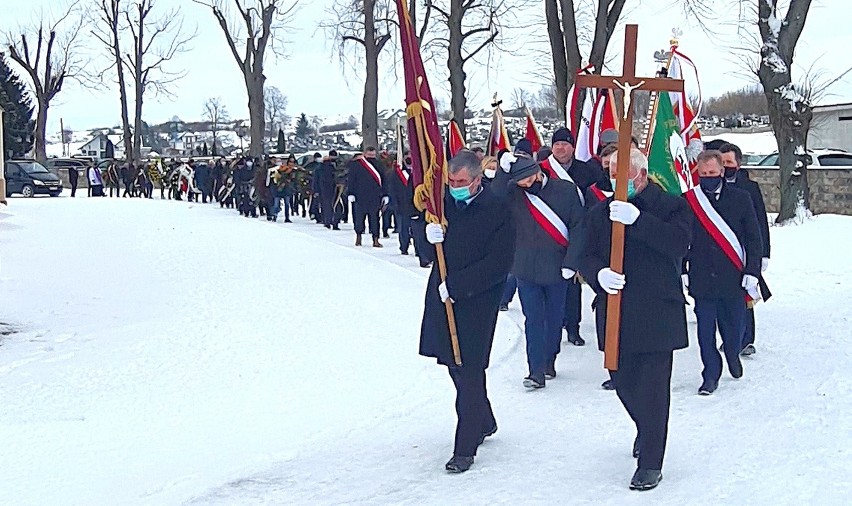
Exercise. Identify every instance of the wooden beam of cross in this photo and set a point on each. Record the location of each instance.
(628, 82)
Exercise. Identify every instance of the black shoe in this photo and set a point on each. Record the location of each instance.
(646, 479)
(335, 227)
(707, 388)
(534, 381)
(287, 221)
(459, 464)
(425, 264)
(490, 432)
(608, 385)
(550, 369)
(636, 447)
(504, 307)
(327, 226)
(748, 351)
(735, 366)
(386, 235)
(403, 252)
(575, 339)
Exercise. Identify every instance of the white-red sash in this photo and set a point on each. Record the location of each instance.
(372, 170)
(403, 176)
(719, 230)
(599, 194)
(547, 219)
(555, 170)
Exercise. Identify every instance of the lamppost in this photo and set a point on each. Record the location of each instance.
(2, 161)
(241, 132)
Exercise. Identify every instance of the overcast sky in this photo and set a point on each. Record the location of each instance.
(316, 83)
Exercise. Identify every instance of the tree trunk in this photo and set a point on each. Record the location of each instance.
(557, 51)
(369, 111)
(137, 126)
(257, 121)
(40, 129)
(455, 63)
(572, 52)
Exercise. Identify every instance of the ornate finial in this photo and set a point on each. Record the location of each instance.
(661, 56)
(677, 33)
(495, 102)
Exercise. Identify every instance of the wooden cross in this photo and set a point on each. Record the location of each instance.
(628, 82)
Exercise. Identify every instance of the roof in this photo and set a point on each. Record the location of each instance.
(845, 106)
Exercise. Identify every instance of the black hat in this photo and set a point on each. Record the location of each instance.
(317, 155)
(523, 168)
(714, 144)
(332, 153)
(524, 146)
(563, 135)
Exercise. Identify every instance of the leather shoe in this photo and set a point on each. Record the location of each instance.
(458, 464)
(646, 479)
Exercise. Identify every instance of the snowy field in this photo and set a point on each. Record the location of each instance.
(173, 353)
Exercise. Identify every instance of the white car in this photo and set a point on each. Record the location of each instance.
(818, 158)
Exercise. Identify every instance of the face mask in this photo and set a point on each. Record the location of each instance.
(249, 164)
(490, 173)
(730, 173)
(534, 188)
(318, 160)
(710, 184)
(461, 194)
(631, 187)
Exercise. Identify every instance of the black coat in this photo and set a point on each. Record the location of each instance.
(586, 174)
(402, 193)
(711, 273)
(323, 182)
(653, 316)
(478, 248)
(538, 258)
(368, 193)
(753, 189)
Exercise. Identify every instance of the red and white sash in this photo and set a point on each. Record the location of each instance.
(719, 230)
(599, 194)
(403, 176)
(372, 170)
(555, 170)
(547, 219)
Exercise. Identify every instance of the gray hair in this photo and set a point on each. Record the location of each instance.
(467, 160)
(638, 160)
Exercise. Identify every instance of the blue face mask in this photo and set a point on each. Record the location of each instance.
(460, 194)
(631, 188)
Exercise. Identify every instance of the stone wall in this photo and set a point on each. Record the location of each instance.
(831, 189)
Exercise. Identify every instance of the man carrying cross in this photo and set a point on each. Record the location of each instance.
(636, 243)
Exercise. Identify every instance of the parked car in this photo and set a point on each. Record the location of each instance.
(30, 178)
(816, 158)
(56, 164)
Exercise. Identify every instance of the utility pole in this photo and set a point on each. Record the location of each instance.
(2, 161)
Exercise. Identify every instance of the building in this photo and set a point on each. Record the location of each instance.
(100, 147)
(831, 127)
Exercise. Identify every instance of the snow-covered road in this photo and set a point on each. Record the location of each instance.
(174, 353)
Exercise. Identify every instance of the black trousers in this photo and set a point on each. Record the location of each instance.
(327, 209)
(573, 307)
(472, 407)
(371, 216)
(643, 384)
(748, 337)
(418, 234)
(72, 178)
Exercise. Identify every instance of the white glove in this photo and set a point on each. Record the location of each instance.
(506, 161)
(351, 199)
(685, 279)
(764, 264)
(434, 233)
(444, 293)
(611, 281)
(750, 284)
(567, 273)
(385, 200)
(623, 212)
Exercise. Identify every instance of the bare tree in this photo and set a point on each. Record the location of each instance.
(156, 41)
(565, 42)
(108, 32)
(258, 22)
(521, 98)
(216, 113)
(368, 24)
(469, 28)
(53, 58)
(275, 110)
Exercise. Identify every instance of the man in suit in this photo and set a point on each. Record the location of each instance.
(325, 189)
(653, 317)
(402, 197)
(367, 193)
(723, 266)
(478, 246)
(732, 158)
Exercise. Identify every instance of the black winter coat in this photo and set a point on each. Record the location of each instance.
(711, 273)
(478, 248)
(586, 174)
(323, 182)
(538, 258)
(368, 193)
(402, 193)
(744, 183)
(653, 316)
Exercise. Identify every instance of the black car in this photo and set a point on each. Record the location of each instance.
(30, 178)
